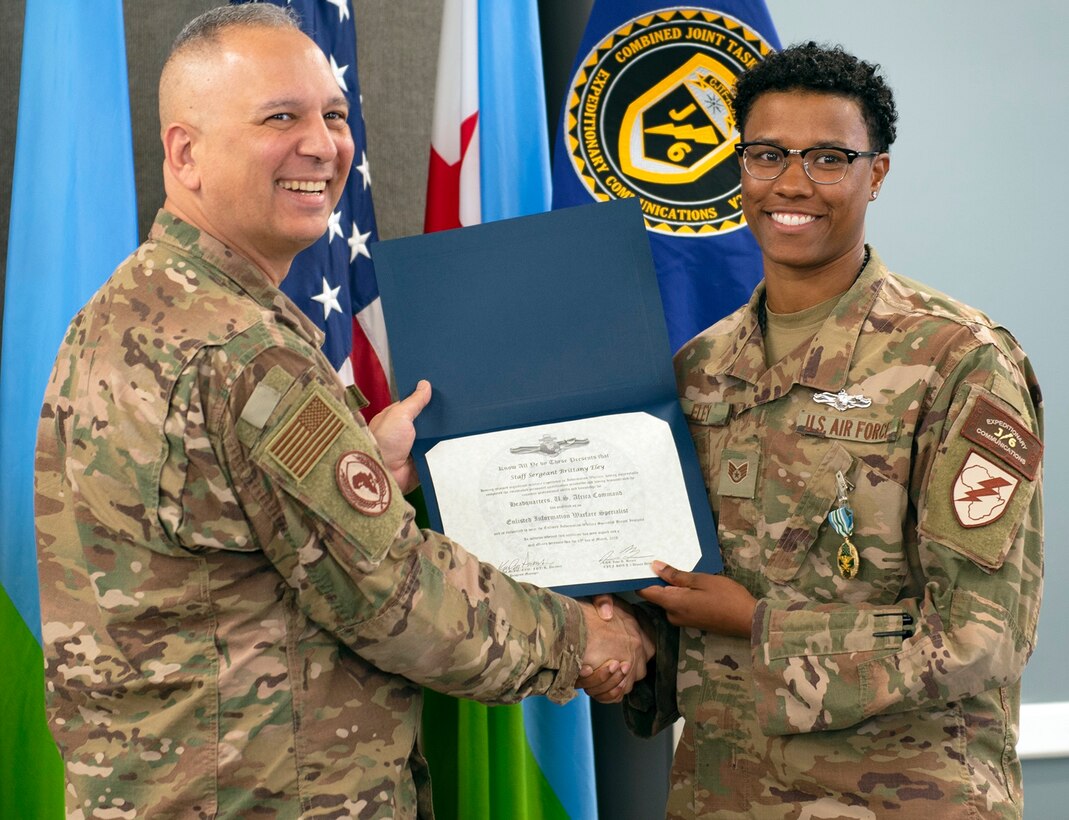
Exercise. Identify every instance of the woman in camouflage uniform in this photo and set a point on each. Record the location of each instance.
(872, 452)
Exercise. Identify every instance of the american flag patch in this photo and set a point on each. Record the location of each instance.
(301, 442)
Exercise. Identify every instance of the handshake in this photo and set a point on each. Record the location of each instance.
(618, 647)
(619, 642)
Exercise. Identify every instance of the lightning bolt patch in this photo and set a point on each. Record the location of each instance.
(987, 487)
(982, 491)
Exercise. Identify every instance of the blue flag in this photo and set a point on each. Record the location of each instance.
(333, 281)
(489, 161)
(646, 115)
(73, 219)
(515, 181)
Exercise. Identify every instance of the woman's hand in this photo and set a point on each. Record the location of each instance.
(714, 603)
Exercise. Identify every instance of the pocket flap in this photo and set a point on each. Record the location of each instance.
(804, 524)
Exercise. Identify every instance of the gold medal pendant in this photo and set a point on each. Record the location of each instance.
(847, 559)
(842, 521)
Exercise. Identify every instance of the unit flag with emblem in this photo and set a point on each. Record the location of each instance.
(646, 115)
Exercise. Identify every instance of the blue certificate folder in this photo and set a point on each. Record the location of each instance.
(535, 320)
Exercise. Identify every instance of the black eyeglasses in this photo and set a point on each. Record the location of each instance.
(823, 165)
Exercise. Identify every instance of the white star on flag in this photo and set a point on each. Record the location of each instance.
(358, 244)
(339, 73)
(365, 169)
(334, 282)
(328, 299)
(334, 226)
(343, 8)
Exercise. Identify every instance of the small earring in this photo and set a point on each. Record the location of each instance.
(874, 194)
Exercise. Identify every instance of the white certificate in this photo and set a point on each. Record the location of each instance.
(578, 502)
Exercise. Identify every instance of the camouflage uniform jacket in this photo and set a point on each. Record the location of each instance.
(895, 692)
(238, 611)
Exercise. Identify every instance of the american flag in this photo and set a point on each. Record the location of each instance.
(333, 281)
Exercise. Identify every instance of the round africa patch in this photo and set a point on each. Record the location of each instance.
(363, 483)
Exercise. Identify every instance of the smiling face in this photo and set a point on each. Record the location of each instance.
(806, 230)
(261, 150)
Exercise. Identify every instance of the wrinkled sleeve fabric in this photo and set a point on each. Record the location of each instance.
(975, 548)
(270, 440)
(651, 706)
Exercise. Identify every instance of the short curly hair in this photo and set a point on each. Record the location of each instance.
(828, 69)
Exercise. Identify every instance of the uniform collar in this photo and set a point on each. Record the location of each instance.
(825, 365)
(231, 269)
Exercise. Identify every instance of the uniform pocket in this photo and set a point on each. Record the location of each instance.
(805, 522)
(806, 556)
(880, 511)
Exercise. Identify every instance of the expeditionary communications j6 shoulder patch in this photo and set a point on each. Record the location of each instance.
(982, 482)
(1006, 437)
(648, 116)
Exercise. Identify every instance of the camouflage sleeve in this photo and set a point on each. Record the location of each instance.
(300, 472)
(651, 706)
(975, 552)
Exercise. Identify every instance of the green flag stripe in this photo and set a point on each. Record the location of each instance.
(480, 763)
(31, 774)
(469, 780)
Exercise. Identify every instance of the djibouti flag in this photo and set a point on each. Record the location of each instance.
(73, 219)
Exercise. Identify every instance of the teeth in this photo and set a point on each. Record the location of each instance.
(793, 219)
(303, 185)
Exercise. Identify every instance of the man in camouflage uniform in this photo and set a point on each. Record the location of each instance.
(238, 610)
(872, 452)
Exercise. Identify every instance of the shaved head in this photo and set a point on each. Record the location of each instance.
(256, 141)
(196, 47)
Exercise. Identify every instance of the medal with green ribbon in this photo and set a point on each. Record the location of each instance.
(842, 521)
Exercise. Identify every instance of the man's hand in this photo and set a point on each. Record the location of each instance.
(617, 650)
(714, 603)
(394, 431)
